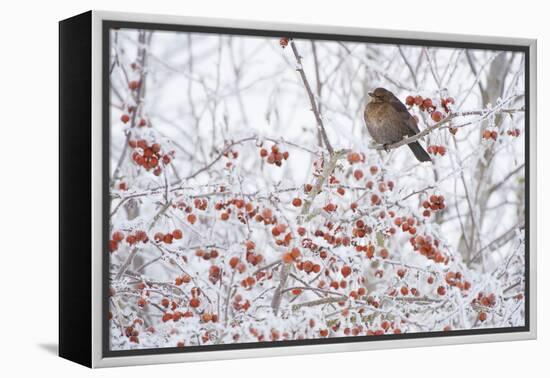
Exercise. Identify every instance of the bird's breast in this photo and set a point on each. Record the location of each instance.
(376, 121)
(384, 124)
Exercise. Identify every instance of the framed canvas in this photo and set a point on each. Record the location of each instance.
(235, 189)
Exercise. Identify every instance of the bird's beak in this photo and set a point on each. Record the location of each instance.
(371, 94)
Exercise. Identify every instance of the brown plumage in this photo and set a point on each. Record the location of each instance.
(389, 121)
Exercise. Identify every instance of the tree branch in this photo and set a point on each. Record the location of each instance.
(311, 97)
(443, 122)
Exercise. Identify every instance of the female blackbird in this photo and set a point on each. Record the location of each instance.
(389, 121)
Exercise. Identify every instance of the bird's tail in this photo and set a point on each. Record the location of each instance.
(419, 152)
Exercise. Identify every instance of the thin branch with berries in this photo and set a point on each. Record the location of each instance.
(444, 123)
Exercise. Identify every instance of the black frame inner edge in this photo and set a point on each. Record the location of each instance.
(107, 25)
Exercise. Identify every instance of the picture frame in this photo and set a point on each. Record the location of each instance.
(87, 119)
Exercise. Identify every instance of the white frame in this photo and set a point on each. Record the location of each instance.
(97, 358)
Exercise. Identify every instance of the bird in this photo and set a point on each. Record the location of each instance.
(388, 121)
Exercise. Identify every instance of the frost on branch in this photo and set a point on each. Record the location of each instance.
(239, 216)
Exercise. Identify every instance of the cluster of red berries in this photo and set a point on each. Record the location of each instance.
(485, 300)
(276, 156)
(132, 334)
(244, 209)
(238, 303)
(429, 248)
(383, 186)
(149, 156)
(307, 243)
(338, 285)
(361, 229)
(125, 118)
(457, 280)
(214, 274)
(445, 102)
(136, 237)
(386, 326)
(251, 257)
(248, 282)
(230, 154)
(195, 302)
(332, 237)
(280, 230)
(437, 149)
(293, 255)
(266, 216)
(488, 134)
(368, 249)
(131, 239)
(434, 203)
(201, 203)
(116, 238)
(358, 173)
(207, 317)
(308, 267)
(406, 224)
(182, 280)
(404, 291)
(176, 316)
(283, 42)
(168, 238)
(513, 132)
(236, 263)
(178, 204)
(207, 255)
(355, 294)
(426, 104)
(165, 302)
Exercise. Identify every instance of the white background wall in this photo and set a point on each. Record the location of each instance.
(28, 188)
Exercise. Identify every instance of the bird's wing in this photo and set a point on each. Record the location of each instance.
(405, 116)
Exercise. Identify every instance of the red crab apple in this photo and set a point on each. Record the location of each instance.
(194, 302)
(346, 270)
(177, 234)
(437, 116)
(133, 85)
(297, 202)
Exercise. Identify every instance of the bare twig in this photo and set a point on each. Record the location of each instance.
(318, 302)
(311, 97)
